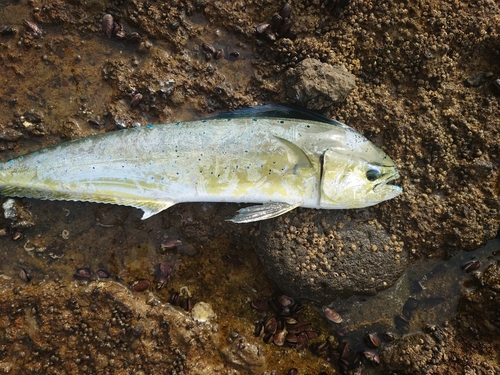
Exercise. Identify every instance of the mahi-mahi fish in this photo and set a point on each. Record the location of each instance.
(279, 156)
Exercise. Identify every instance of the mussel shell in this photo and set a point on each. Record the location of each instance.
(24, 275)
(120, 34)
(291, 338)
(286, 10)
(276, 22)
(140, 285)
(285, 301)
(261, 28)
(174, 299)
(260, 305)
(271, 325)
(372, 356)
(219, 54)
(471, 266)
(258, 329)
(102, 273)
(302, 340)
(388, 336)
(83, 273)
(332, 315)
(371, 339)
(285, 27)
(280, 337)
(108, 24)
(166, 269)
(208, 48)
(136, 99)
(134, 38)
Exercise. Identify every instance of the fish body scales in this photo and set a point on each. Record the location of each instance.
(281, 162)
(211, 160)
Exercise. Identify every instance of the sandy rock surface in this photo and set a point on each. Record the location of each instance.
(426, 90)
(322, 258)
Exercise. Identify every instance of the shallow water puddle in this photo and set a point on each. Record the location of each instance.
(427, 294)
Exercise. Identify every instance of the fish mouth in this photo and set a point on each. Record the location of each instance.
(384, 180)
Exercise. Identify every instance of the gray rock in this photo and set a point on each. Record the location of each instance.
(318, 85)
(323, 255)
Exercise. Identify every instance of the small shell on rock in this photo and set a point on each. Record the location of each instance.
(471, 266)
(261, 28)
(219, 54)
(108, 25)
(102, 273)
(279, 337)
(32, 28)
(260, 304)
(388, 336)
(140, 285)
(166, 269)
(372, 356)
(208, 48)
(276, 22)
(82, 273)
(24, 275)
(136, 99)
(285, 301)
(285, 27)
(286, 10)
(271, 325)
(372, 340)
(121, 34)
(332, 315)
(134, 38)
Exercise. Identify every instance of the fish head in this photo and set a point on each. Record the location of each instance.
(348, 180)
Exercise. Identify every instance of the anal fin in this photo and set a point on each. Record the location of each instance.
(262, 212)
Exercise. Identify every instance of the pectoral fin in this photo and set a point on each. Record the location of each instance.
(262, 212)
(153, 208)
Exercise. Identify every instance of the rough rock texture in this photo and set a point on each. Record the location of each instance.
(425, 73)
(103, 327)
(323, 257)
(318, 85)
(465, 345)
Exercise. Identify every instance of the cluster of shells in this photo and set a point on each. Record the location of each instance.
(283, 327)
(113, 29)
(351, 360)
(163, 273)
(217, 53)
(279, 26)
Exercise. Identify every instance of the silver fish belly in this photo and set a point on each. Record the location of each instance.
(278, 162)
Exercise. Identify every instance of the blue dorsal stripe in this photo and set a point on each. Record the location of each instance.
(286, 111)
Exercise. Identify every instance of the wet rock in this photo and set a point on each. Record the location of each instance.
(10, 134)
(20, 216)
(245, 355)
(103, 322)
(323, 256)
(318, 85)
(410, 354)
(491, 277)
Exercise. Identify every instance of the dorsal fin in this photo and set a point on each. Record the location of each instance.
(278, 111)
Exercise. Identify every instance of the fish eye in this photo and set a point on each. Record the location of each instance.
(373, 173)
